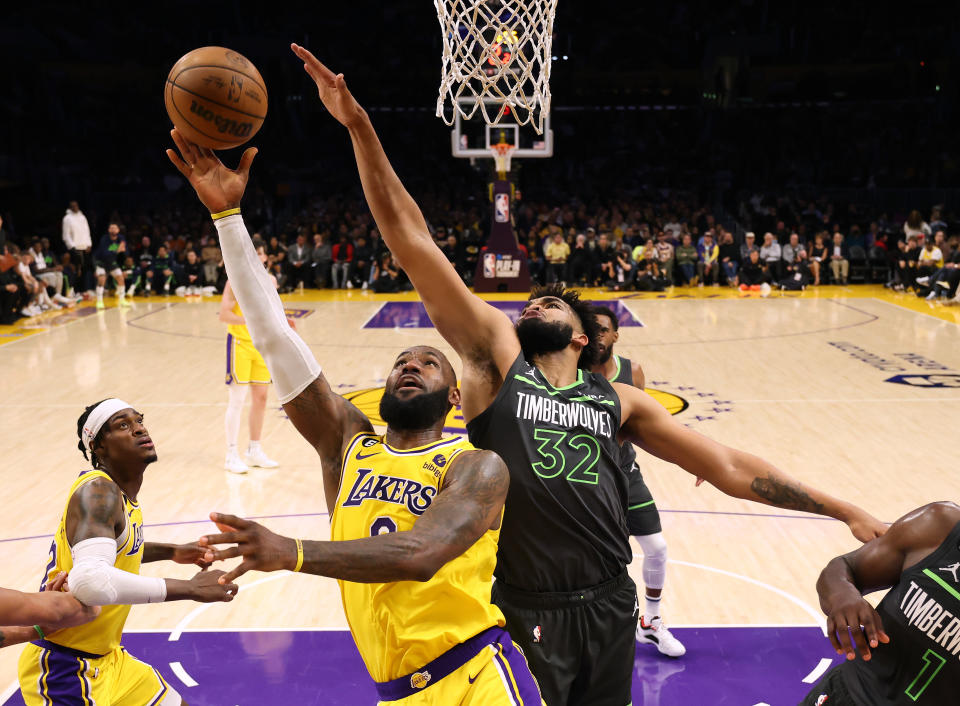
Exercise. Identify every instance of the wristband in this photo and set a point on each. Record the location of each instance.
(299, 555)
(224, 214)
(39, 632)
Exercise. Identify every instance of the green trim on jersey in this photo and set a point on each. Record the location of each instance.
(616, 374)
(637, 507)
(943, 584)
(550, 388)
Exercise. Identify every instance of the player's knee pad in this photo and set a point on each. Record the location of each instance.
(654, 548)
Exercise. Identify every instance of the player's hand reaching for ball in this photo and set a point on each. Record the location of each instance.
(218, 187)
(261, 549)
(336, 98)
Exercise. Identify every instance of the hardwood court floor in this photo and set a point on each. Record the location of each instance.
(854, 390)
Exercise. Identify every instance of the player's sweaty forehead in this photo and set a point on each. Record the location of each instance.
(545, 301)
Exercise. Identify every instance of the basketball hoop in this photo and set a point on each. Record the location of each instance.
(501, 158)
(500, 50)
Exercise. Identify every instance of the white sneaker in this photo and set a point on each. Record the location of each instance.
(259, 459)
(365, 285)
(235, 465)
(923, 280)
(655, 633)
(349, 284)
(131, 289)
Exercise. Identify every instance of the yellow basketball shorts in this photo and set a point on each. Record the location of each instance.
(59, 676)
(497, 676)
(245, 365)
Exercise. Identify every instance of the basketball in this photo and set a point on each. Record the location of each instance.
(215, 97)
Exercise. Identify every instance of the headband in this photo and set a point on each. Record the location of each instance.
(98, 417)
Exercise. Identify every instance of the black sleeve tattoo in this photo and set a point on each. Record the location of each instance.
(784, 495)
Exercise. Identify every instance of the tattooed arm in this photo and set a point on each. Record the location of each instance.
(469, 503)
(734, 472)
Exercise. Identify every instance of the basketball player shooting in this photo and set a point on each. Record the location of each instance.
(561, 571)
(909, 643)
(415, 516)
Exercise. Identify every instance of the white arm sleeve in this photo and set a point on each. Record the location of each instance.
(292, 366)
(94, 580)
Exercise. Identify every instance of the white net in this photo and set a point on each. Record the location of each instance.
(497, 50)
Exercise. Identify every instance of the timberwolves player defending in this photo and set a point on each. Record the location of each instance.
(415, 517)
(909, 645)
(643, 520)
(561, 571)
(99, 542)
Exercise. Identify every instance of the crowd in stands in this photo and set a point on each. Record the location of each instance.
(644, 244)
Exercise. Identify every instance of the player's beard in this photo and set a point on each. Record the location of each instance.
(603, 355)
(538, 336)
(419, 412)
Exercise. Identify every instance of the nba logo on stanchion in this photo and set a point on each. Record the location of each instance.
(489, 264)
(502, 208)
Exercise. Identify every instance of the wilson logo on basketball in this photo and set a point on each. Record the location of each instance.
(223, 125)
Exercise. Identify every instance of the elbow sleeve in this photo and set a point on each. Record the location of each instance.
(94, 580)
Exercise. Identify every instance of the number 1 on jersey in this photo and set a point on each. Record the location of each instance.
(932, 663)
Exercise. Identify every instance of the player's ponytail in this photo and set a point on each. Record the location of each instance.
(80, 422)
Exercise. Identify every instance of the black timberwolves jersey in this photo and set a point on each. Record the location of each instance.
(921, 614)
(564, 526)
(628, 454)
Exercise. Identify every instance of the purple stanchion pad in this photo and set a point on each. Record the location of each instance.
(737, 666)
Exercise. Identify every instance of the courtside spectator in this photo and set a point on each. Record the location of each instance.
(749, 244)
(839, 260)
(342, 259)
(76, 237)
(770, 255)
(819, 257)
(321, 256)
(751, 272)
(605, 258)
(557, 251)
(580, 263)
(298, 259)
(916, 226)
(686, 260)
(665, 253)
(729, 258)
(708, 264)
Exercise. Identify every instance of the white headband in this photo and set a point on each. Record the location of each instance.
(99, 416)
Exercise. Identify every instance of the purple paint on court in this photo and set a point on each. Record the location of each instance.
(723, 666)
(413, 314)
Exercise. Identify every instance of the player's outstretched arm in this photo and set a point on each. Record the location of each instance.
(875, 566)
(94, 520)
(469, 503)
(53, 609)
(734, 472)
(323, 418)
(475, 329)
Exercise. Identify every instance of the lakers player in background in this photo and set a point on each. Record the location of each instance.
(415, 516)
(909, 644)
(99, 542)
(245, 369)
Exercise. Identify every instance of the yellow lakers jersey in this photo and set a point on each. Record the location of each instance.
(102, 634)
(401, 626)
(238, 330)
